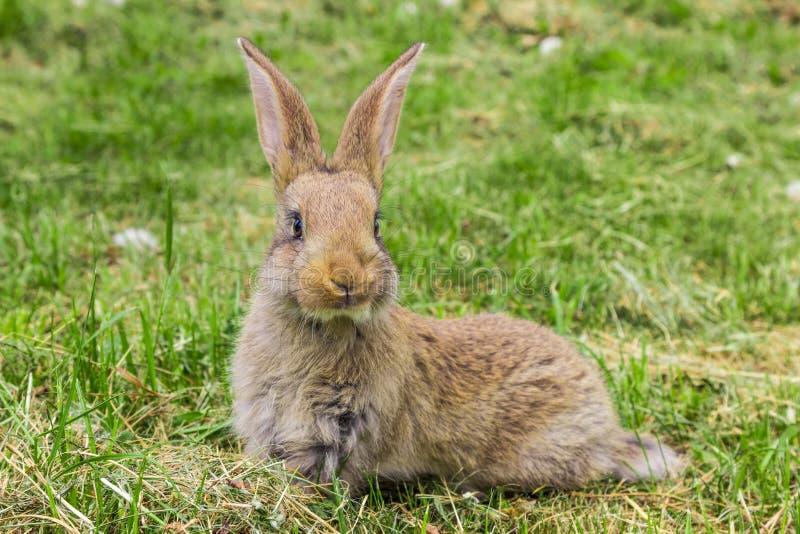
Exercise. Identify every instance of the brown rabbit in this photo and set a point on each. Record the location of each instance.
(334, 377)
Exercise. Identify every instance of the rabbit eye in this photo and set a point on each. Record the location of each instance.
(297, 226)
(376, 226)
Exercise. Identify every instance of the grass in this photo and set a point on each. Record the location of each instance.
(598, 172)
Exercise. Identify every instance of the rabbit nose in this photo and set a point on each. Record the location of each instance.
(343, 284)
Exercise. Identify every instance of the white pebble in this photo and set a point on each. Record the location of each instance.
(550, 44)
(733, 161)
(793, 190)
(137, 238)
(409, 8)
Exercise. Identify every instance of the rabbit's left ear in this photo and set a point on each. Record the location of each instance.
(371, 126)
(288, 133)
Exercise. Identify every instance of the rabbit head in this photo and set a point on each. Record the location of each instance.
(327, 259)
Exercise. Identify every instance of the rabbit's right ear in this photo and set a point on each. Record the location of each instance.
(371, 126)
(288, 133)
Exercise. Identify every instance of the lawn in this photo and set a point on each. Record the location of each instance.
(630, 188)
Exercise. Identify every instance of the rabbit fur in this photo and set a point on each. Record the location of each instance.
(332, 376)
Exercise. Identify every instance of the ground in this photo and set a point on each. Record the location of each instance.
(628, 188)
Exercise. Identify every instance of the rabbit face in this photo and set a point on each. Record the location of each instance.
(327, 257)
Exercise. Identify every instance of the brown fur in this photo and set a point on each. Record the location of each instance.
(334, 377)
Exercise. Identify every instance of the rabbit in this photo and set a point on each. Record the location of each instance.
(335, 378)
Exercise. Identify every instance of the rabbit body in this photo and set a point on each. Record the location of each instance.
(334, 377)
(486, 400)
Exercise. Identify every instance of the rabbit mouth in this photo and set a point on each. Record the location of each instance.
(351, 296)
(359, 310)
(322, 302)
(359, 314)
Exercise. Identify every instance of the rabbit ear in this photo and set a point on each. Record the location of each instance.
(370, 129)
(288, 133)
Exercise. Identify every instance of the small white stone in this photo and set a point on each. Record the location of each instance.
(471, 496)
(409, 8)
(137, 238)
(550, 44)
(277, 520)
(733, 161)
(793, 190)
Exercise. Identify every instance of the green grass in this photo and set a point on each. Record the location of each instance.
(599, 172)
